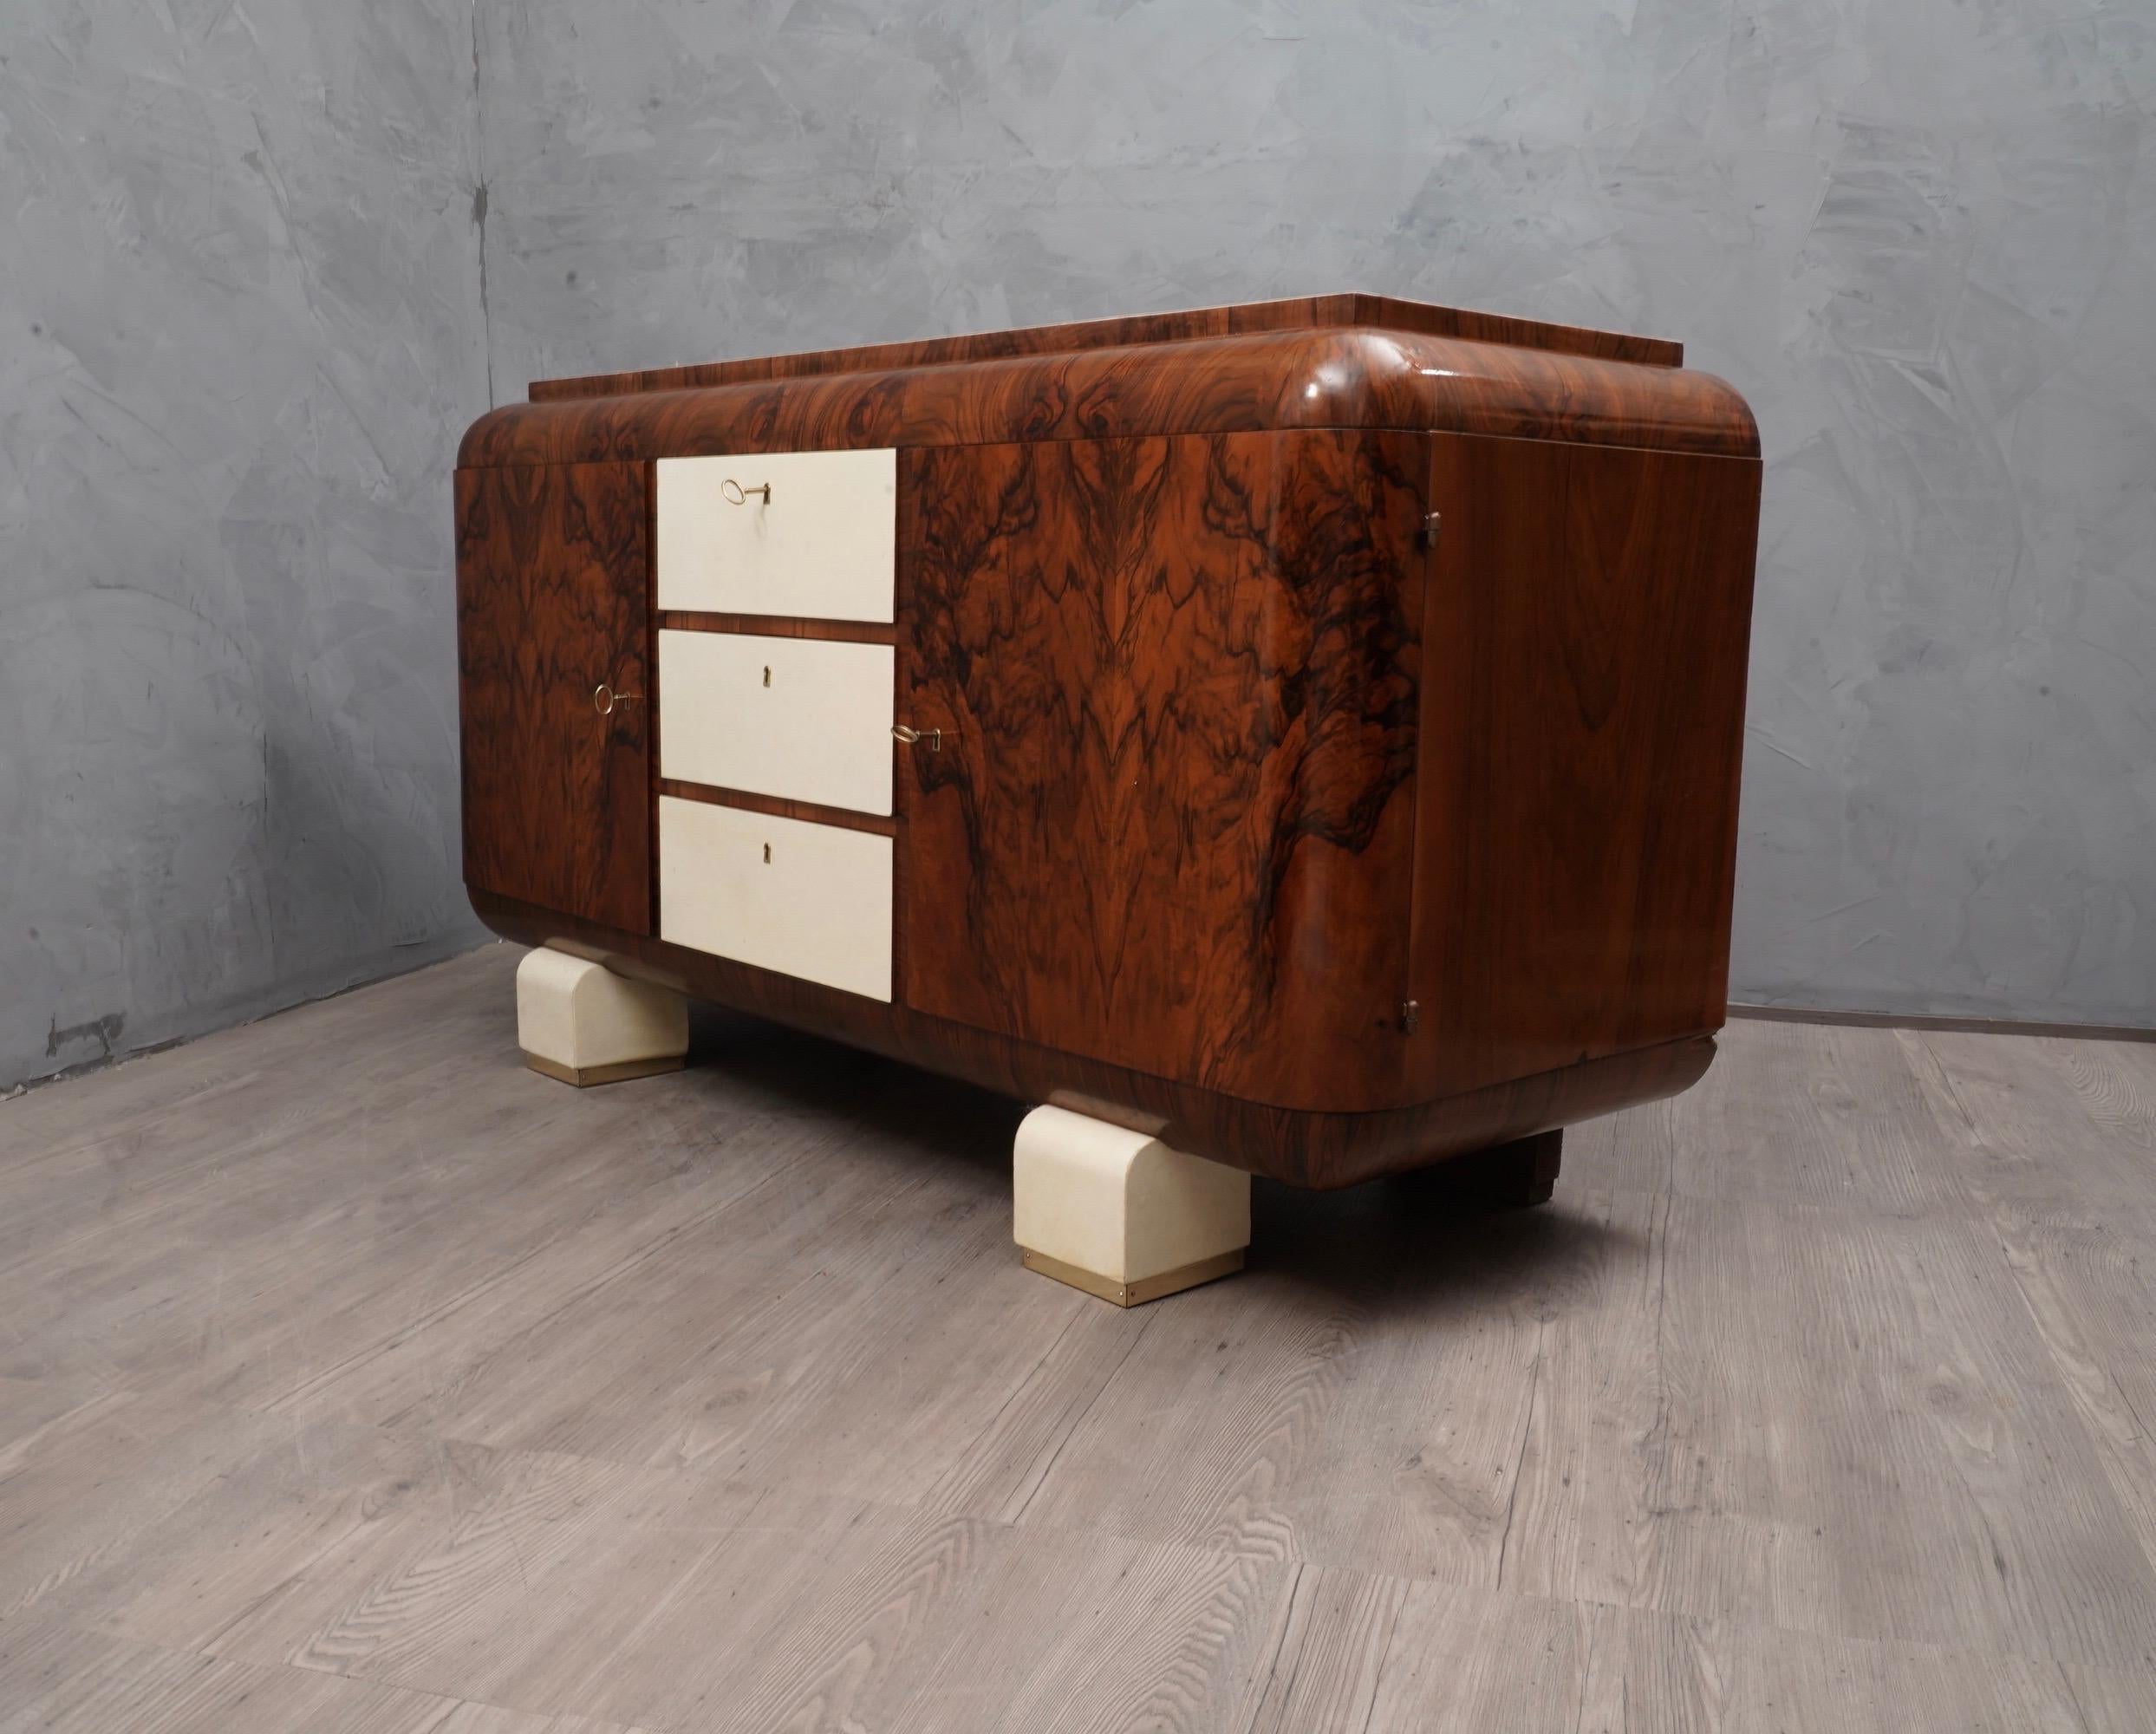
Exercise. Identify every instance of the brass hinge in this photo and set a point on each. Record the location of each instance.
(1411, 1016)
(1431, 521)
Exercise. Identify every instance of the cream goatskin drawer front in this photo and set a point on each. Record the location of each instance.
(802, 718)
(821, 544)
(807, 900)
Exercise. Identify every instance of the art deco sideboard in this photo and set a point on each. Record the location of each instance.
(1303, 734)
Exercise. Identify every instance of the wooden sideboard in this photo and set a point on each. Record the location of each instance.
(1308, 732)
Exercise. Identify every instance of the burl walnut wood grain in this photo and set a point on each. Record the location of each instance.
(1583, 712)
(1354, 376)
(552, 601)
(1315, 312)
(1233, 765)
(1171, 825)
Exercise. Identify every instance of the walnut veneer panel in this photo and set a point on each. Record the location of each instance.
(551, 603)
(1345, 377)
(1172, 825)
(1583, 713)
(1314, 312)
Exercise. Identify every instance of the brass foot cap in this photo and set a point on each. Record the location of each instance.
(1146, 1288)
(622, 1069)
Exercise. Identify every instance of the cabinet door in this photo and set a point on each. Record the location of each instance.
(552, 604)
(1169, 823)
(1589, 634)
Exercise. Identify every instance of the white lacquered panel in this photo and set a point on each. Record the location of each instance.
(807, 900)
(823, 545)
(797, 717)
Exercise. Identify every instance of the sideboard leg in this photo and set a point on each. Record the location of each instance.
(580, 1022)
(1120, 1215)
(1505, 1176)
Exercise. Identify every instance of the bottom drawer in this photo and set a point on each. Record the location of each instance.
(807, 900)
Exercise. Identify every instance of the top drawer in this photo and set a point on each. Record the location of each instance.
(819, 543)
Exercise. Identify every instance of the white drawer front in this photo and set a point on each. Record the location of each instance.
(797, 717)
(822, 546)
(807, 900)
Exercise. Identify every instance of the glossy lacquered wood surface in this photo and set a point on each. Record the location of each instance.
(1357, 376)
(1313, 312)
(1266, 818)
(551, 603)
(1171, 824)
(1582, 725)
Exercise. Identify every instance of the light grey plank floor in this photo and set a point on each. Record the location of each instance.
(353, 1377)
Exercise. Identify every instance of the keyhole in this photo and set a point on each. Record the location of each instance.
(767, 855)
(767, 674)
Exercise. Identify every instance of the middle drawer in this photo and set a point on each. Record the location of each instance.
(805, 718)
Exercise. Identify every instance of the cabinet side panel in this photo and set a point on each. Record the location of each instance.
(1588, 628)
(553, 602)
(1171, 823)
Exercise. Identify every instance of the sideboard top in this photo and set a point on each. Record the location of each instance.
(1304, 313)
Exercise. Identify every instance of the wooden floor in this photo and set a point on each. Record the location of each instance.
(354, 1377)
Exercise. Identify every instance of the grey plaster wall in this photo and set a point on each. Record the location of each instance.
(240, 330)
(1920, 235)
(260, 263)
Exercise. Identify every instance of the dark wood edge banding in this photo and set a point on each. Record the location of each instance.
(811, 813)
(778, 626)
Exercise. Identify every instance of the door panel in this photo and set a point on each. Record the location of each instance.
(1171, 822)
(1584, 714)
(552, 589)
